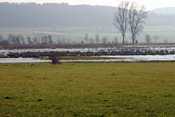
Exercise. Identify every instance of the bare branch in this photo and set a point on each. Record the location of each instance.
(137, 17)
(121, 18)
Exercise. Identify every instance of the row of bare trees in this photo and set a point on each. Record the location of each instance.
(97, 39)
(130, 16)
(148, 39)
(43, 40)
(15, 39)
(19, 40)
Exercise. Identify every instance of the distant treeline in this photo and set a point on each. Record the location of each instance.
(56, 15)
(48, 40)
(75, 45)
(20, 40)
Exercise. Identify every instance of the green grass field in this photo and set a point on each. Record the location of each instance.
(87, 89)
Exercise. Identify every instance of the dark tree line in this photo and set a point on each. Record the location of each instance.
(43, 40)
(20, 40)
(48, 40)
(97, 39)
(13, 39)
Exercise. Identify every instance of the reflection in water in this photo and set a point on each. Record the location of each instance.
(135, 58)
(147, 57)
(22, 60)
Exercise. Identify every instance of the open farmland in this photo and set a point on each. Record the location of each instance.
(87, 89)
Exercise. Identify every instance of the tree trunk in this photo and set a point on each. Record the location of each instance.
(133, 38)
(123, 36)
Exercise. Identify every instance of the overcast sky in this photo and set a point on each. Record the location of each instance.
(149, 4)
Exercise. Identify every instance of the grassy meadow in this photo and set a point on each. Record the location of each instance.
(88, 89)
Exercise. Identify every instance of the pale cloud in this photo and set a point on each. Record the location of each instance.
(150, 4)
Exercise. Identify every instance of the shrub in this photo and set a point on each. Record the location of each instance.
(55, 60)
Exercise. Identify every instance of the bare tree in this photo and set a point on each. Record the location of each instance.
(63, 40)
(97, 39)
(59, 41)
(1, 38)
(91, 40)
(50, 39)
(21, 39)
(10, 38)
(86, 37)
(137, 17)
(104, 39)
(35, 40)
(29, 40)
(121, 18)
(44, 40)
(68, 40)
(115, 40)
(147, 38)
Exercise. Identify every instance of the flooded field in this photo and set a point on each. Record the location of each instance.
(22, 60)
(124, 54)
(142, 49)
(135, 58)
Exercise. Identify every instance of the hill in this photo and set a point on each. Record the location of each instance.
(167, 10)
(37, 15)
(32, 15)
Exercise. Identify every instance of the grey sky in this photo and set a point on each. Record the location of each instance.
(149, 4)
